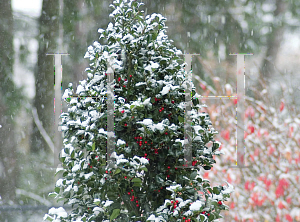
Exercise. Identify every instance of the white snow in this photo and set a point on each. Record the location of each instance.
(155, 219)
(140, 84)
(88, 175)
(108, 203)
(75, 168)
(153, 65)
(60, 212)
(165, 90)
(229, 189)
(174, 187)
(142, 160)
(196, 205)
(159, 126)
(59, 182)
(79, 89)
(97, 210)
(110, 27)
(120, 142)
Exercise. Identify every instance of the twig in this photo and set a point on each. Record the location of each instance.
(41, 129)
(34, 197)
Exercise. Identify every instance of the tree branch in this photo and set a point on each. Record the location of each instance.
(41, 129)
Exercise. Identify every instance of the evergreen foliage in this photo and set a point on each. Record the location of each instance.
(149, 113)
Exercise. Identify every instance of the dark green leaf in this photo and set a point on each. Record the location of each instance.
(115, 214)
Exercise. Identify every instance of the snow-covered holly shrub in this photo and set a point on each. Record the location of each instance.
(147, 184)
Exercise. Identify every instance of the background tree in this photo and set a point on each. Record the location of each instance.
(10, 102)
(44, 73)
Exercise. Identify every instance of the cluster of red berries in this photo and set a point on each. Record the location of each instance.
(162, 108)
(188, 220)
(194, 163)
(174, 204)
(156, 99)
(204, 212)
(159, 190)
(133, 197)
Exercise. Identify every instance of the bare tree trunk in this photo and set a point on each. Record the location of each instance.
(274, 41)
(44, 78)
(8, 152)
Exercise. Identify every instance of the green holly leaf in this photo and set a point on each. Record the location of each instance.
(57, 189)
(207, 167)
(117, 171)
(136, 180)
(144, 168)
(181, 119)
(115, 214)
(52, 194)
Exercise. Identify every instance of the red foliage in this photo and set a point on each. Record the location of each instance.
(225, 135)
(289, 218)
(281, 106)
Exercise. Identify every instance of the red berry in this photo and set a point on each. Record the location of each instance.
(105, 178)
(130, 76)
(175, 168)
(171, 201)
(125, 124)
(145, 141)
(131, 190)
(136, 201)
(125, 177)
(135, 138)
(145, 154)
(78, 182)
(169, 167)
(125, 79)
(128, 193)
(119, 79)
(106, 171)
(166, 133)
(91, 166)
(168, 175)
(158, 190)
(173, 101)
(159, 110)
(208, 214)
(162, 108)
(124, 86)
(220, 202)
(183, 218)
(137, 205)
(122, 111)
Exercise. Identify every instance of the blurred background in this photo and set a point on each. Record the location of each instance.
(269, 29)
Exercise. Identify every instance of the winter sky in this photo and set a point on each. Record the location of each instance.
(30, 7)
